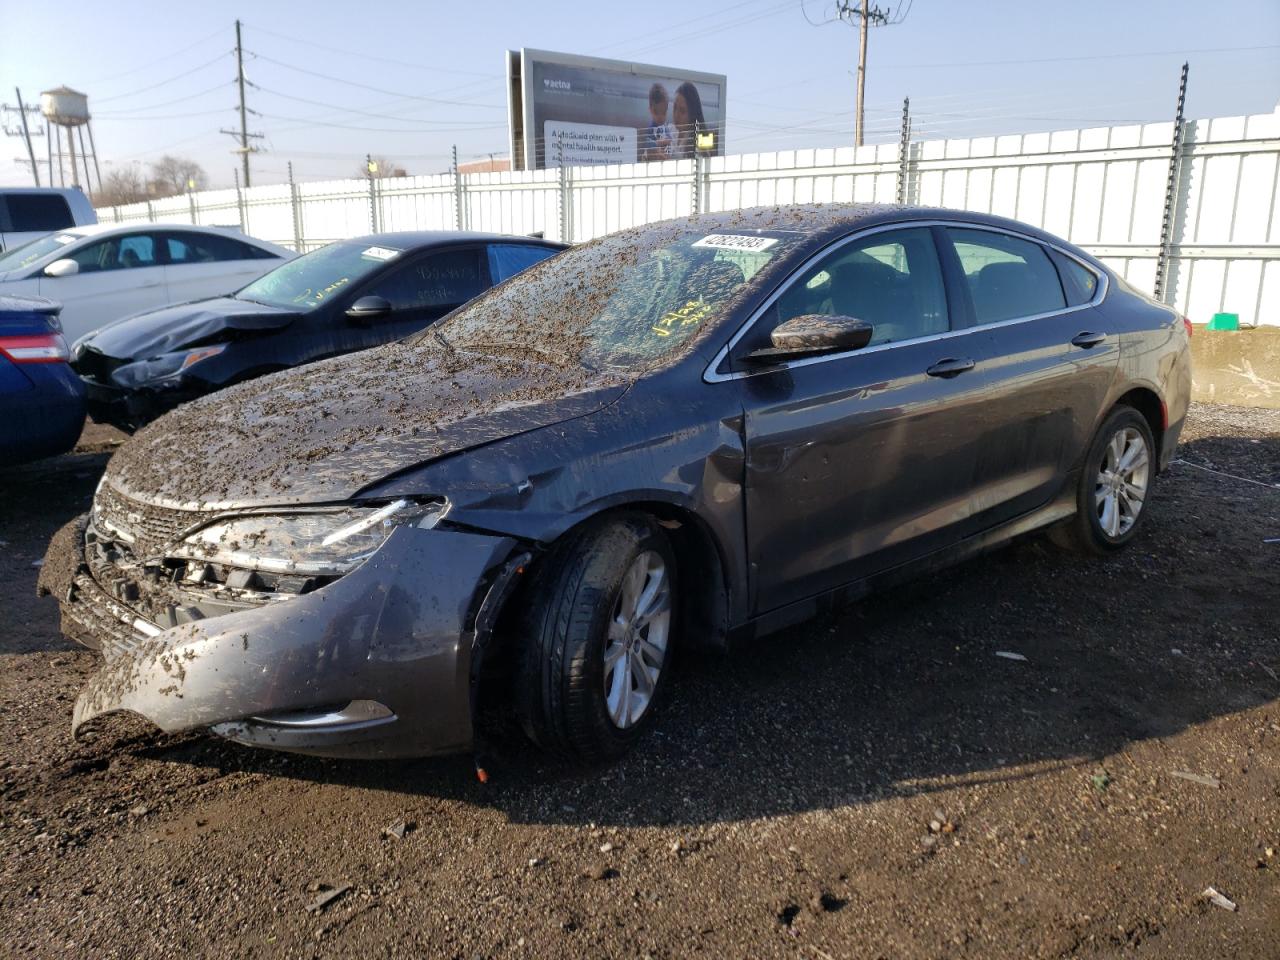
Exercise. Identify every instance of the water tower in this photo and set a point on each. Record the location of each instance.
(69, 109)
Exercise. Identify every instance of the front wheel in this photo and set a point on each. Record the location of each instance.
(1115, 484)
(598, 639)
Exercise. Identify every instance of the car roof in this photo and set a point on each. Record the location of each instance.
(822, 223)
(100, 229)
(429, 238)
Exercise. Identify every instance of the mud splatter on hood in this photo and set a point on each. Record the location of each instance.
(323, 432)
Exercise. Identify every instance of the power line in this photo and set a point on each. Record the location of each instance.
(382, 90)
(369, 56)
(1100, 56)
(164, 83)
(132, 112)
(363, 113)
(153, 61)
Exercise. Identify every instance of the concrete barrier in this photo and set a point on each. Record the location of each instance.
(1240, 367)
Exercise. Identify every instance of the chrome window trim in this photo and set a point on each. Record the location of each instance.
(710, 374)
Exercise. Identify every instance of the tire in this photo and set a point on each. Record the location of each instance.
(584, 597)
(1111, 504)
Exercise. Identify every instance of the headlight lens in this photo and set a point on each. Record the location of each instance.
(164, 366)
(327, 543)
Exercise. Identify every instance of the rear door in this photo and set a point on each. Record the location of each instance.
(1053, 359)
(119, 275)
(421, 290)
(860, 461)
(200, 265)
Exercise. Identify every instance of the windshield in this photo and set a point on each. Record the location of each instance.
(627, 300)
(315, 278)
(29, 253)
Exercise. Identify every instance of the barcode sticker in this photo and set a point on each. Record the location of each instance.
(731, 241)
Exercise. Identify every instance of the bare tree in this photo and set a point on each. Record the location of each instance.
(122, 185)
(171, 176)
(386, 167)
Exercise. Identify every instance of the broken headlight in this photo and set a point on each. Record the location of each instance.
(164, 366)
(321, 543)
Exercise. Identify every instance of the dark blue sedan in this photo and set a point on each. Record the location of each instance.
(41, 398)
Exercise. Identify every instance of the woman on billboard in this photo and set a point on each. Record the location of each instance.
(687, 114)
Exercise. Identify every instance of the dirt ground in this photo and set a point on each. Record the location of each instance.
(782, 807)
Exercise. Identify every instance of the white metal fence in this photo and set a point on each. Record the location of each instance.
(1102, 188)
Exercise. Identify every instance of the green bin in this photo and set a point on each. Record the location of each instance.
(1224, 321)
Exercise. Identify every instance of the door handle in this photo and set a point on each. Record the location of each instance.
(1087, 339)
(950, 367)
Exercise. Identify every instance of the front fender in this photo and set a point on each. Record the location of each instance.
(397, 630)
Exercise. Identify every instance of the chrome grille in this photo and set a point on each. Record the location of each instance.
(145, 529)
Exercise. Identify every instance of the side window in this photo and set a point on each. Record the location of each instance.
(207, 248)
(1078, 282)
(438, 281)
(117, 253)
(892, 280)
(508, 259)
(29, 212)
(1008, 277)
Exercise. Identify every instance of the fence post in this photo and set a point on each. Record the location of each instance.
(151, 214)
(293, 207)
(697, 183)
(904, 152)
(459, 209)
(240, 211)
(1171, 191)
(191, 199)
(373, 196)
(566, 196)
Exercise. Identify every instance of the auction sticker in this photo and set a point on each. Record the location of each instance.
(380, 253)
(731, 241)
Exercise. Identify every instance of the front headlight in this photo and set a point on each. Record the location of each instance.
(164, 366)
(317, 543)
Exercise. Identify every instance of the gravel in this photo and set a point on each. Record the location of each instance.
(784, 806)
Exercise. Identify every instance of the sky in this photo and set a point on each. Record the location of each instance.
(332, 81)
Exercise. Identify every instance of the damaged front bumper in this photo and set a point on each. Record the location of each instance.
(376, 663)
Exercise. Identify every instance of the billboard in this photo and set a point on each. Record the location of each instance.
(566, 110)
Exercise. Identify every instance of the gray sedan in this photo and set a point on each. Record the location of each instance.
(688, 433)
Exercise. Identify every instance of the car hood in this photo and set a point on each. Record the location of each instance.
(149, 334)
(323, 432)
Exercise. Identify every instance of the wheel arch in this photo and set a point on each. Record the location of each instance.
(1148, 403)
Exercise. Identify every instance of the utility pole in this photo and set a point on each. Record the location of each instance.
(244, 123)
(243, 135)
(868, 16)
(26, 134)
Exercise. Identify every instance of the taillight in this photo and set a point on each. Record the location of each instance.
(1187, 323)
(40, 348)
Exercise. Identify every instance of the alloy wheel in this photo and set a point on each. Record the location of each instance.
(637, 645)
(1121, 487)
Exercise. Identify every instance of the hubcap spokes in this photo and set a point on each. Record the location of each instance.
(637, 642)
(1121, 486)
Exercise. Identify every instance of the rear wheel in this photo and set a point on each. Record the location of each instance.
(1114, 486)
(598, 639)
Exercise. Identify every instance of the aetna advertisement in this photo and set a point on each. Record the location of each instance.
(573, 111)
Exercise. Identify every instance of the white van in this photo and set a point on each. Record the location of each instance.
(30, 212)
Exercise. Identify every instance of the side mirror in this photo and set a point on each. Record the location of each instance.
(368, 308)
(811, 335)
(65, 267)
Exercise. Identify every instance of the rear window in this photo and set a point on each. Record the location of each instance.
(210, 248)
(1078, 281)
(43, 212)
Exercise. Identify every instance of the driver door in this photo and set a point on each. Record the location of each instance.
(860, 461)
